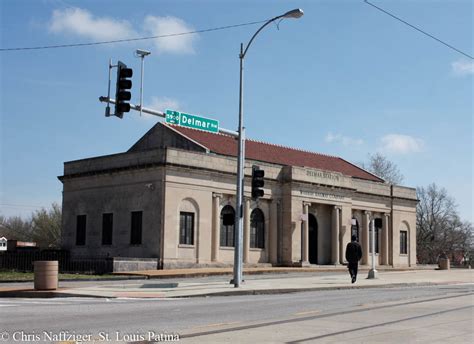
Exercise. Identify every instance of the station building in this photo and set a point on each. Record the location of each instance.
(171, 199)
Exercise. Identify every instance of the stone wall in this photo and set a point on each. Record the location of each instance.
(120, 194)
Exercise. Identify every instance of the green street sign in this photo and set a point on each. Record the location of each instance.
(192, 121)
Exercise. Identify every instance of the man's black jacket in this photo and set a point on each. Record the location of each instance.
(353, 252)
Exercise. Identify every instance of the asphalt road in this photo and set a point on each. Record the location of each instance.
(424, 314)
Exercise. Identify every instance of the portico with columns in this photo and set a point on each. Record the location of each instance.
(340, 233)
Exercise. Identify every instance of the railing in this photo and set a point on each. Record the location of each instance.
(23, 261)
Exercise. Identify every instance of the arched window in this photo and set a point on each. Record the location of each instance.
(257, 229)
(227, 226)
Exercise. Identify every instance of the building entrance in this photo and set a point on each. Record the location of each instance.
(313, 239)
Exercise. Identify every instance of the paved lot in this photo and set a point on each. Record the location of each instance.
(426, 314)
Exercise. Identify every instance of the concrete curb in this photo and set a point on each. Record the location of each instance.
(36, 294)
(61, 294)
(298, 290)
(251, 272)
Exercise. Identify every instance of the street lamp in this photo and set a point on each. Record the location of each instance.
(142, 53)
(238, 235)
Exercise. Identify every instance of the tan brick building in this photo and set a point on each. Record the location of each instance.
(171, 197)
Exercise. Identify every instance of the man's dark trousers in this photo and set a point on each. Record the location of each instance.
(353, 266)
(353, 255)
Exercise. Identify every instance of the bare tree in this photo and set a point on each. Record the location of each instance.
(16, 228)
(383, 168)
(439, 228)
(46, 226)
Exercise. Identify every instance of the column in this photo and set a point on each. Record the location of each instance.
(345, 226)
(365, 237)
(216, 222)
(305, 238)
(273, 233)
(385, 231)
(335, 236)
(246, 229)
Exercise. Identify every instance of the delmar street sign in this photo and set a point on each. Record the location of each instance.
(192, 121)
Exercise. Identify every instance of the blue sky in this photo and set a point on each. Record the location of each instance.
(343, 80)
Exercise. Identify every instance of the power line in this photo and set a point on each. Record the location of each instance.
(132, 39)
(420, 30)
(21, 205)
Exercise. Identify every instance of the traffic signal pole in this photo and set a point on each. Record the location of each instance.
(107, 109)
(157, 113)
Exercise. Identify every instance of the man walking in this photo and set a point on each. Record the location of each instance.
(353, 255)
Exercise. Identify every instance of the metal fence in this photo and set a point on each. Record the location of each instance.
(23, 261)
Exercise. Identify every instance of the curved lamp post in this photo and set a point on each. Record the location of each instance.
(238, 235)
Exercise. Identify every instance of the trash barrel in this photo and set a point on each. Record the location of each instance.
(46, 275)
(444, 264)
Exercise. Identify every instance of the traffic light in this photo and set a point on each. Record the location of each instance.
(257, 182)
(122, 93)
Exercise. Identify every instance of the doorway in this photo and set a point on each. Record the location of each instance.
(313, 239)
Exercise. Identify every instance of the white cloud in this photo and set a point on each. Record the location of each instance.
(159, 26)
(82, 23)
(163, 103)
(160, 104)
(401, 144)
(462, 67)
(345, 140)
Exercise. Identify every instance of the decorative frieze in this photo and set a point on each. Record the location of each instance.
(319, 194)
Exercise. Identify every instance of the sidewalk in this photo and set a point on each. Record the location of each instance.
(261, 284)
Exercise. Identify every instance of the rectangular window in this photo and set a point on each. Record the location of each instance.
(107, 228)
(136, 230)
(81, 230)
(403, 242)
(186, 228)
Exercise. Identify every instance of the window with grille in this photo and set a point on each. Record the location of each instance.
(227, 226)
(186, 228)
(403, 242)
(257, 229)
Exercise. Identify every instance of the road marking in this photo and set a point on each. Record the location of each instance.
(308, 312)
(217, 324)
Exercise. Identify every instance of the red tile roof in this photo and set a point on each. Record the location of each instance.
(266, 152)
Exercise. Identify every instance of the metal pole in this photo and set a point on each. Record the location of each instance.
(141, 84)
(107, 109)
(238, 235)
(161, 114)
(372, 272)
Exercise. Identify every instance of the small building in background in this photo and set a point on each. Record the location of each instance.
(9, 241)
(14, 245)
(3, 244)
